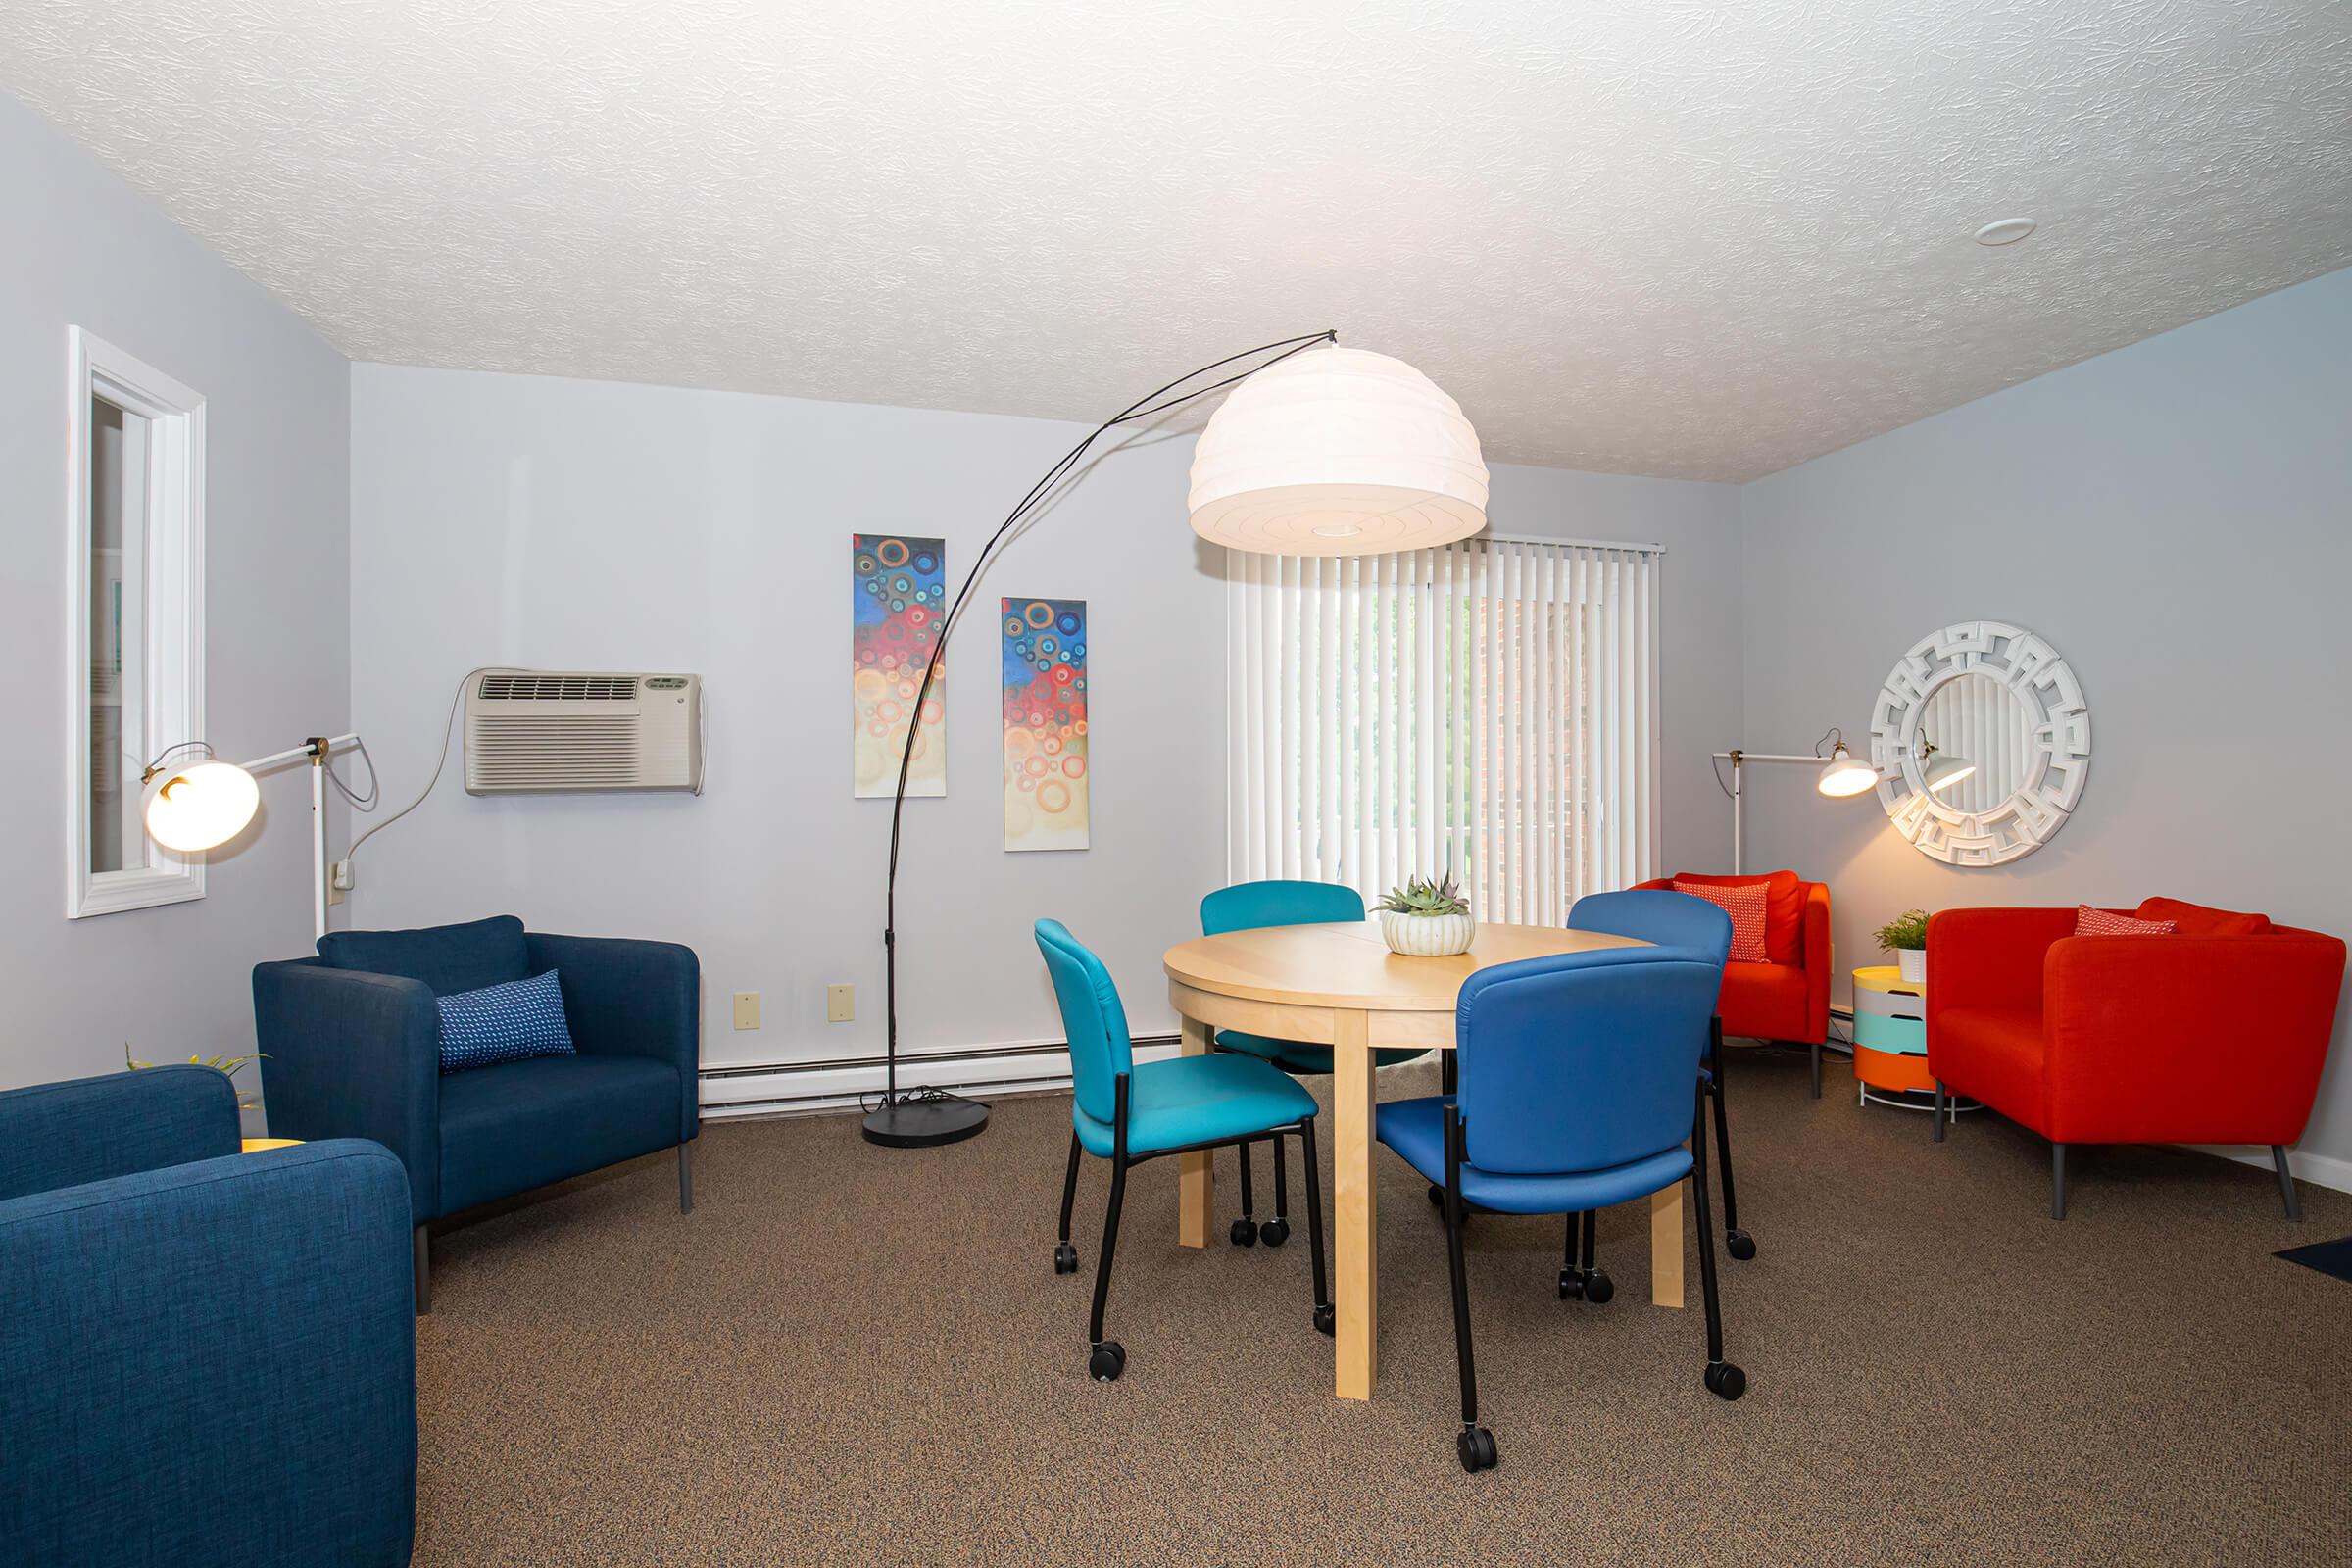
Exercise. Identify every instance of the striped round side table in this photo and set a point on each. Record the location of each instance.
(1890, 1040)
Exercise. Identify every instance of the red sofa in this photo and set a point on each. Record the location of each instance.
(2213, 1035)
(1787, 999)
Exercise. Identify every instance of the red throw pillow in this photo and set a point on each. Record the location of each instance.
(1745, 902)
(2091, 923)
(1783, 910)
(2197, 920)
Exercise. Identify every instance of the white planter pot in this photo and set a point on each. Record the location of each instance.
(1427, 936)
(1913, 962)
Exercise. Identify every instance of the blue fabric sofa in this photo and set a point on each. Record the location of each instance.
(349, 1044)
(207, 1358)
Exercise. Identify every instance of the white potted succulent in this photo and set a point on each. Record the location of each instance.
(1425, 919)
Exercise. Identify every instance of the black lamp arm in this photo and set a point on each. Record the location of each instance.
(1149, 406)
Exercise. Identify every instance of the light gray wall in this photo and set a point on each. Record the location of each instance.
(1698, 613)
(2177, 518)
(594, 525)
(83, 249)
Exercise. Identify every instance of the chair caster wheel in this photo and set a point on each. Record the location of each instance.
(1476, 1445)
(1327, 1319)
(1110, 1359)
(1437, 1195)
(1065, 1259)
(1598, 1287)
(1274, 1232)
(1244, 1233)
(1571, 1284)
(1726, 1380)
(1739, 1244)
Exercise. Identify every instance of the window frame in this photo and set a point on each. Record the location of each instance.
(171, 708)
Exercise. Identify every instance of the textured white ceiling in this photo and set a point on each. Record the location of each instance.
(1681, 237)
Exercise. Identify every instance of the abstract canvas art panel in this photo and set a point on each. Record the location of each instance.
(1046, 774)
(899, 587)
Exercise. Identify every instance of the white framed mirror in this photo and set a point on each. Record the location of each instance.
(1981, 739)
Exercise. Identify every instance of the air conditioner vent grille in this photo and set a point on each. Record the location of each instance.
(503, 688)
(534, 731)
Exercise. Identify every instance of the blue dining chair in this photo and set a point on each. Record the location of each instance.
(1128, 1113)
(1252, 906)
(1671, 921)
(1577, 1084)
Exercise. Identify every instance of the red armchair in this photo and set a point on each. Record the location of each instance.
(2199, 1037)
(1787, 999)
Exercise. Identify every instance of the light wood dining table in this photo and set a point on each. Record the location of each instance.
(1340, 986)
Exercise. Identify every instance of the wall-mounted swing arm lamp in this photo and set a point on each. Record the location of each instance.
(1841, 774)
(198, 805)
(1335, 452)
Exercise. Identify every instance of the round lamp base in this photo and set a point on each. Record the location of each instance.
(925, 1123)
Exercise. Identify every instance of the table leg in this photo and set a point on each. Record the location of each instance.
(1666, 1246)
(1355, 1228)
(1195, 1177)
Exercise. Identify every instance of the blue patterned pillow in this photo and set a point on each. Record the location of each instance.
(513, 1022)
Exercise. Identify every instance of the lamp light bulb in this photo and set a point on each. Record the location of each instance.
(191, 809)
(1945, 770)
(1845, 775)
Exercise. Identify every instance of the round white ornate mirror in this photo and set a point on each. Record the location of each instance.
(1981, 739)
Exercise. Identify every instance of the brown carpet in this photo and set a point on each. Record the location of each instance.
(853, 1355)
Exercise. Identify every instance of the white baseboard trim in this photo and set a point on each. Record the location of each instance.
(1033, 1067)
(798, 1088)
(2321, 1170)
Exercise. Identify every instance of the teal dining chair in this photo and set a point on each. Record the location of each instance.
(1128, 1113)
(1576, 1085)
(1250, 906)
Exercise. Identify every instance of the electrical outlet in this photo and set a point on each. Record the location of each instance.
(338, 876)
(841, 1003)
(747, 1009)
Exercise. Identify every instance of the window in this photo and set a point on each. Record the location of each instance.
(1489, 708)
(134, 614)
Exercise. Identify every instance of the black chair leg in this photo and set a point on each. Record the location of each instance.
(1816, 1069)
(1580, 1280)
(1245, 1229)
(1943, 1099)
(420, 1252)
(1109, 1358)
(2057, 1181)
(1277, 1230)
(2286, 1181)
(1724, 1380)
(1735, 1241)
(1449, 1073)
(1066, 1256)
(686, 1178)
(1475, 1445)
(1326, 1318)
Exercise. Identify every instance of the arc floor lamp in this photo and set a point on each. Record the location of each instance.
(1320, 451)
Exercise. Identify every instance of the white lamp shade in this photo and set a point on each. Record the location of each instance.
(191, 809)
(1944, 769)
(1338, 452)
(1846, 775)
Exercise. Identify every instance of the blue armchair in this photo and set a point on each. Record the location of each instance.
(210, 1358)
(350, 1043)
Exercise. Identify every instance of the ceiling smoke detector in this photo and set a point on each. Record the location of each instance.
(2004, 232)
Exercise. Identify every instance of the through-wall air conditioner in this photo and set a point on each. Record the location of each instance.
(534, 731)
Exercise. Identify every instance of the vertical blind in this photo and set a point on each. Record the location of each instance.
(1488, 708)
(1978, 718)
